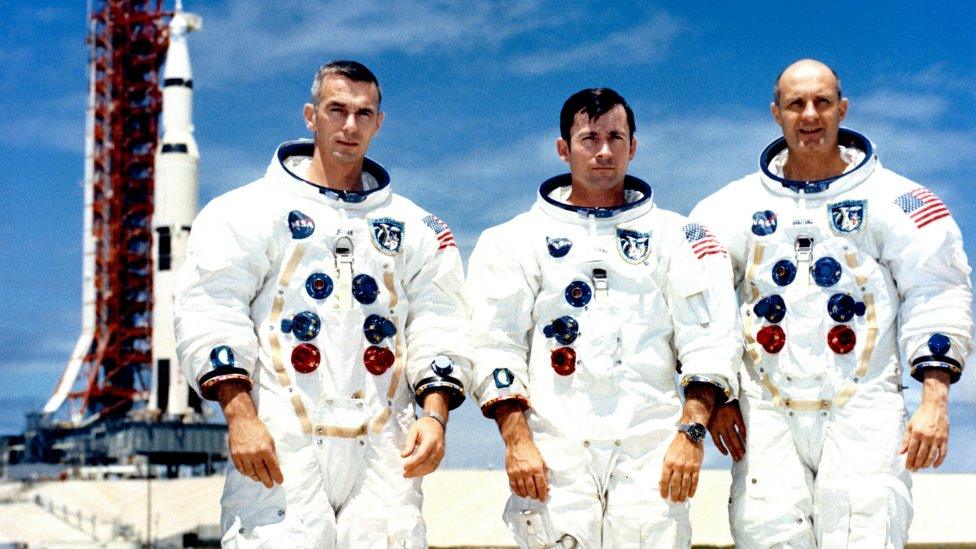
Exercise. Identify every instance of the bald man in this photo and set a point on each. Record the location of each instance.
(845, 271)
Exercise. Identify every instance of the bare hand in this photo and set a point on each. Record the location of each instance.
(526, 470)
(424, 449)
(253, 450)
(728, 430)
(679, 476)
(926, 440)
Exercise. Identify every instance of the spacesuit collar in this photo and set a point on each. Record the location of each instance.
(830, 186)
(637, 192)
(304, 147)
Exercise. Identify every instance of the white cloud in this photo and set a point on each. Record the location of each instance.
(647, 42)
(912, 107)
(249, 41)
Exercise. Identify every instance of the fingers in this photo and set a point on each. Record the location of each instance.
(262, 474)
(736, 443)
(665, 483)
(531, 488)
(932, 455)
(520, 488)
(675, 486)
(694, 485)
(424, 456)
(943, 452)
(542, 486)
(910, 452)
(412, 435)
(274, 470)
(717, 439)
(905, 440)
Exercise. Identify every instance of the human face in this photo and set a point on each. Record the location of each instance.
(345, 120)
(809, 110)
(598, 151)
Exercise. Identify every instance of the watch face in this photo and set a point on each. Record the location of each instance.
(696, 431)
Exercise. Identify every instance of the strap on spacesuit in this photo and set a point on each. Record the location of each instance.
(757, 257)
(850, 386)
(276, 308)
(847, 390)
(279, 303)
(378, 421)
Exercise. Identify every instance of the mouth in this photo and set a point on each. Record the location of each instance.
(342, 143)
(814, 132)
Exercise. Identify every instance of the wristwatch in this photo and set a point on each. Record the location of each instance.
(696, 431)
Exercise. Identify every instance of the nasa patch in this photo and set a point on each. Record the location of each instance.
(633, 246)
(847, 217)
(558, 247)
(763, 223)
(387, 235)
(300, 225)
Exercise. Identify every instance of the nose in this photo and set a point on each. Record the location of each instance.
(809, 111)
(604, 153)
(350, 125)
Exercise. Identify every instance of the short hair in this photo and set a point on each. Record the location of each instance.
(595, 102)
(353, 70)
(782, 72)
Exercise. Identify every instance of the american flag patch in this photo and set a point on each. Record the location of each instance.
(702, 241)
(445, 238)
(922, 206)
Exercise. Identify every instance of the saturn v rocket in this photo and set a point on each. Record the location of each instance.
(141, 196)
(176, 196)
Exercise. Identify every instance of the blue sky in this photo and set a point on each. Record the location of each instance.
(472, 92)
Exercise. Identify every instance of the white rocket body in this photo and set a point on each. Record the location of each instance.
(176, 198)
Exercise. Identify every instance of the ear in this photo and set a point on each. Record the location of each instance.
(843, 108)
(774, 109)
(309, 113)
(562, 149)
(633, 147)
(379, 120)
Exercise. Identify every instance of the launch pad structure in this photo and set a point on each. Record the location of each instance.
(122, 398)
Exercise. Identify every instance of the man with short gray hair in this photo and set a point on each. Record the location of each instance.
(323, 312)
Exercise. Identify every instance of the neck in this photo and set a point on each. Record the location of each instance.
(343, 177)
(814, 166)
(596, 198)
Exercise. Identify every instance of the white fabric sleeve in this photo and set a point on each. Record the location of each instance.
(930, 268)
(225, 266)
(707, 337)
(437, 321)
(502, 294)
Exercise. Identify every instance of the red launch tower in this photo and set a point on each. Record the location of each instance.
(110, 371)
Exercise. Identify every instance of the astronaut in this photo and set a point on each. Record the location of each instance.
(582, 308)
(320, 309)
(844, 270)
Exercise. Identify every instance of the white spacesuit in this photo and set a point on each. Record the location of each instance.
(583, 314)
(333, 305)
(837, 280)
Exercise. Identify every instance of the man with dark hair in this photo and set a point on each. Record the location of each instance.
(844, 270)
(582, 309)
(321, 310)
